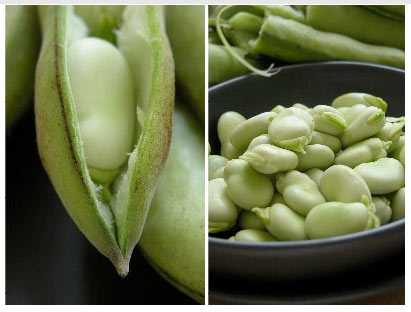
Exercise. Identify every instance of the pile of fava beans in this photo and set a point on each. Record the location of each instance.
(301, 173)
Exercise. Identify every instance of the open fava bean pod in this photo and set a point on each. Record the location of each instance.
(104, 121)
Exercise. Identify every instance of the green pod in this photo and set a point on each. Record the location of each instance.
(316, 156)
(252, 235)
(382, 176)
(342, 184)
(245, 132)
(22, 48)
(248, 220)
(354, 98)
(247, 187)
(269, 159)
(328, 120)
(392, 11)
(362, 152)
(215, 162)
(358, 23)
(382, 209)
(331, 141)
(282, 222)
(315, 174)
(292, 41)
(261, 139)
(222, 65)
(367, 123)
(174, 233)
(299, 192)
(110, 216)
(398, 205)
(186, 30)
(292, 129)
(335, 218)
(102, 20)
(226, 123)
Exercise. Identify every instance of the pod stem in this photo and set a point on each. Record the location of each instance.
(265, 73)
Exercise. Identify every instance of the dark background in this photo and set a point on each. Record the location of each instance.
(48, 260)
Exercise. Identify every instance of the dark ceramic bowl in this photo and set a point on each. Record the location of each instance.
(285, 262)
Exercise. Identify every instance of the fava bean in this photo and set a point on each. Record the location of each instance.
(222, 212)
(334, 219)
(299, 191)
(382, 176)
(226, 123)
(292, 129)
(398, 205)
(282, 222)
(342, 184)
(248, 220)
(247, 187)
(325, 139)
(316, 156)
(269, 159)
(351, 99)
(362, 152)
(215, 162)
(242, 134)
(328, 120)
(261, 139)
(315, 174)
(251, 235)
(382, 209)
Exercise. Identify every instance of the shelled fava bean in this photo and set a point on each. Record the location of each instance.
(302, 173)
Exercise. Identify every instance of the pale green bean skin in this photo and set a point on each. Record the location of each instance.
(397, 146)
(248, 220)
(351, 99)
(252, 235)
(342, 184)
(299, 192)
(278, 108)
(316, 156)
(398, 205)
(282, 222)
(367, 123)
(391, 131)
(292, 129)
(382, 176)
(269, 159)
(335, 218)
(219, 173)
(247, 187)
(328, 120)
(361, 152)
(351, 112)
(222, 212)
(215, 162)
(331, 141)
(382, 209)
(278, 199)
(226, 123)
(245, 132)
(315, 174)
(261, 139)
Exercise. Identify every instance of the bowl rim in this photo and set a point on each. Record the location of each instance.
(322, 242)
(308, 65)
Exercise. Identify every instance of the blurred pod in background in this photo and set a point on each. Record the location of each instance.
(22, 48)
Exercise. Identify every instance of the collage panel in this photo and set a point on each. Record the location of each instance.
(110, 107)
(306, 165)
